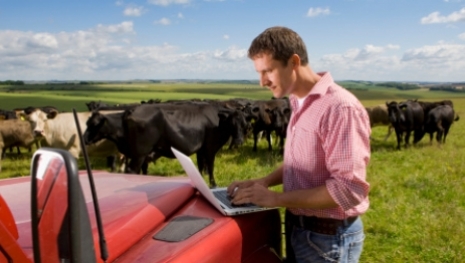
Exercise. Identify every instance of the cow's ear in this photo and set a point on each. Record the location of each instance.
(224, 113)
(52, 114)
(264, 115)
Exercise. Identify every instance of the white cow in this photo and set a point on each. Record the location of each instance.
(58, 130)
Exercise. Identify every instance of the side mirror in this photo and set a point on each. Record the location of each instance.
(61, 230)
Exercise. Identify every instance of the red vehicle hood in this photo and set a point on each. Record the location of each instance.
(134, 208)
(130, 205)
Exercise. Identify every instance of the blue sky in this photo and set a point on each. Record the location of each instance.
(377, 40)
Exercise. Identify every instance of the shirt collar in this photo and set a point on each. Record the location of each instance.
(320, 88)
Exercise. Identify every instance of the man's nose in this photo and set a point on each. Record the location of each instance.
(264, 81)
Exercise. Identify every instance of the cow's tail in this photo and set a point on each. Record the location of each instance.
(456, 117)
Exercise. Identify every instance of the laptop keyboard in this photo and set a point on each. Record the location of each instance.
(226, 200)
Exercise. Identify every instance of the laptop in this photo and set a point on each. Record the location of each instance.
(218, 197)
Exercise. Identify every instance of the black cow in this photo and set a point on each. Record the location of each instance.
(94, 105)
(110, 126)
(268, 116)
(439, 120)
(406, 117)
(190, 127)
(427, 105)
(7, 115)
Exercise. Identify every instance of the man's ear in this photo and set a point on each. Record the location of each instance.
(295, 61)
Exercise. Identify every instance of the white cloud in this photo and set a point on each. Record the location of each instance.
(180, 15)
(441, 53)
(107, 52)
(119, 3)
(440, 62)
(462, 36)
(133, 11)
(313, 12)
(124, 27)
(164, 21)
(168, 2)
(435, 17)
(225, 36)
(232, 54)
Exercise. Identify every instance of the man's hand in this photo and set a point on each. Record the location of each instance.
(252, 191)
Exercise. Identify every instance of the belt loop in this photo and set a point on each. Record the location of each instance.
(301, 221)
(346, 222)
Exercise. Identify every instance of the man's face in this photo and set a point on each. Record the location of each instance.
(277, 78)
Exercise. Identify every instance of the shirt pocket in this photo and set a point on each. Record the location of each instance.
(305, 148)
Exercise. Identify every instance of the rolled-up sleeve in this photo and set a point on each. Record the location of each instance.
(347, 147)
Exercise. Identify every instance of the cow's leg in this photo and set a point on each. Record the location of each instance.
(210, 160)
(255, 139)
(201, 161)
(439, 136)
(390, 128)
(399, 139)
(135, 164)
(446, 131)
(145, 166)
(268, 138)
(111, 162)
(431, 138)
(407, 138)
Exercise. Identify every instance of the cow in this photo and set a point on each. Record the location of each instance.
(439, 120)
(268, 116)
(7, 114)
(199, 128)
(94, 105)
(58, 130)
(406, 117)
(379, 116)
(109, 126)
(15, 114)
(427, 106)
(15, 132)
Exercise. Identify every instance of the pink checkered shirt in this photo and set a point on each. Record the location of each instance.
(328, 143)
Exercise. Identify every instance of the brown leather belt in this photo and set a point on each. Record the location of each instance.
(326, 226)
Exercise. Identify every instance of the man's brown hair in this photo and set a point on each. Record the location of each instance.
(281, 43)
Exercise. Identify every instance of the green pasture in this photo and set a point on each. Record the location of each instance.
(417, 196)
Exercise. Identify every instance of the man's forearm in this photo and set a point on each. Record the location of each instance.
(274, 178)
(315, 198)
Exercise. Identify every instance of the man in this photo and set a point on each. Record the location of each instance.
(325, 158)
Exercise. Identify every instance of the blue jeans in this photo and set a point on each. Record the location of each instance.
(344, 247)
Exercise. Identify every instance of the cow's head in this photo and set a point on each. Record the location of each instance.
(395, 112)
(38, 120)
(234, 121)
(96, 128)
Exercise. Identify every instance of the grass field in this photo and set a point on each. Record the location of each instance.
(417, 196)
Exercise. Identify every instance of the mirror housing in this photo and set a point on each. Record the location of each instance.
(61, 229)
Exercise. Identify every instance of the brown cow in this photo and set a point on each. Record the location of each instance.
(15, 133)
(379, 116)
